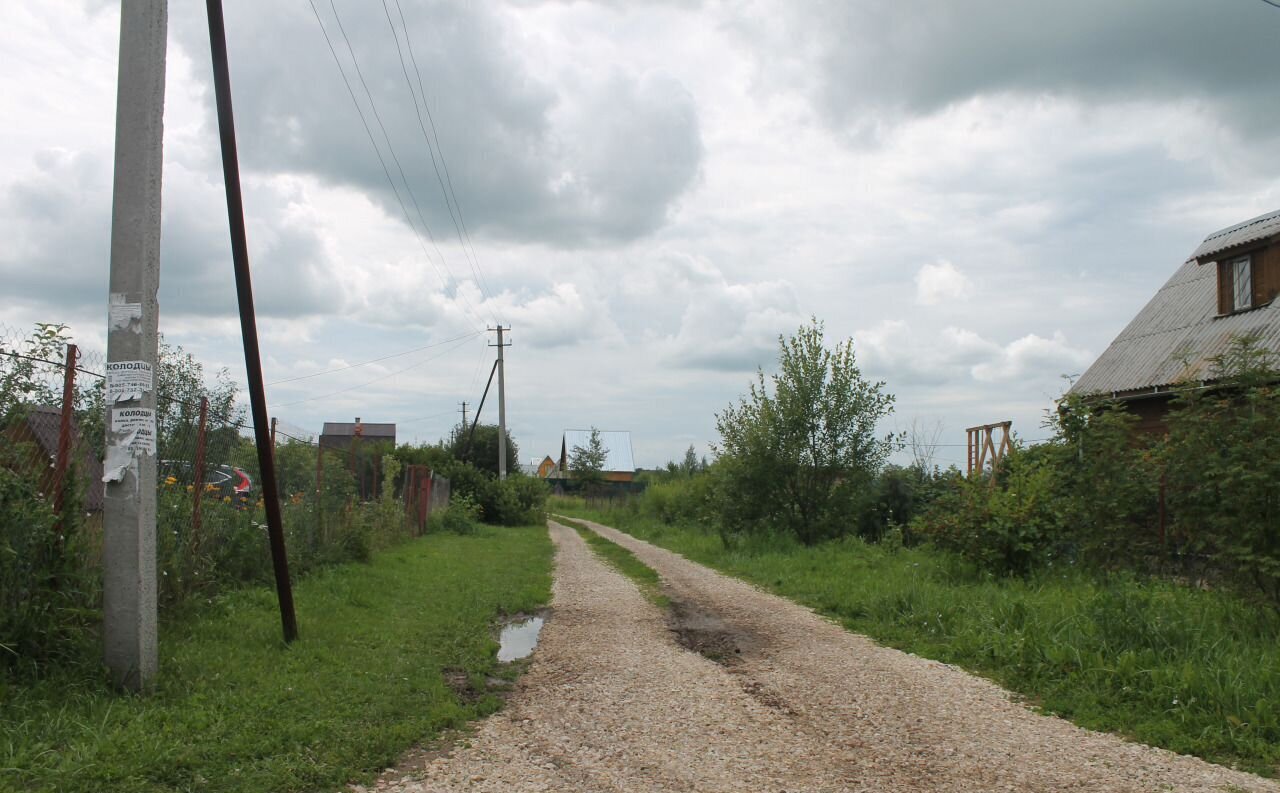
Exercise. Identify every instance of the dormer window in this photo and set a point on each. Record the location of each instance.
(1241, 283)
(1248, 280)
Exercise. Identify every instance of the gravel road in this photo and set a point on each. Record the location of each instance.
(616, 701)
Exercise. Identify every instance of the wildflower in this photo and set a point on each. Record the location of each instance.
(171, 480)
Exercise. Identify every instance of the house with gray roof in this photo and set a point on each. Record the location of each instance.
(340, 434)
(619, 461)
(1224, 291)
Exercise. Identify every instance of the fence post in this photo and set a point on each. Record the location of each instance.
(197, 484)
(63, 459)
(320, 489)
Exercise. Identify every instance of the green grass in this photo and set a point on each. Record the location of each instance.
(1192, 671)
(623, 561)
(237, 710)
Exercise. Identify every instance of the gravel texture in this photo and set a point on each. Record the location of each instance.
(614, 701)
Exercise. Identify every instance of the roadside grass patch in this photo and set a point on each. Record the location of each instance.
(1193, 671)
(622, 560)
(235, 709)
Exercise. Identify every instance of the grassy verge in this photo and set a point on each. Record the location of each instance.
(623, 561)
(236, 710)
(1192, 671)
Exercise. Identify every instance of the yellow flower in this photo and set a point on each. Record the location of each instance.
(226, 499)
(190, 488)
(171, 480)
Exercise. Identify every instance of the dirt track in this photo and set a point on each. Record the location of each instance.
(614, 701)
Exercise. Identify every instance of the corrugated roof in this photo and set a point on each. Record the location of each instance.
(1244, 233)
(618, 443)
(1173, 338)
(369, 430)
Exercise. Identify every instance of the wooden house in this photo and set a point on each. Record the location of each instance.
(619, 462)
(1224, 291)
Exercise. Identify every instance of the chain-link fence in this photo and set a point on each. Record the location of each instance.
(338, 504)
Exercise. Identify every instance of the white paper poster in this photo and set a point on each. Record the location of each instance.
(133, 433)
(123, 315)
(128, 380)
(134, 428)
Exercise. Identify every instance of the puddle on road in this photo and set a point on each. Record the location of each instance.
(518, 639)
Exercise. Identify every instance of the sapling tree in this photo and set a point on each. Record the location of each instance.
(796, 453)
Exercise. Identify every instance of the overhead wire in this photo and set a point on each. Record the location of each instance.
(471, 335)
(355, 61)
(378, 152)
(450, 197)
(376, 379)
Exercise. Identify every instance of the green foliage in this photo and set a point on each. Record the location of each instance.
(236, 711)
(1223, 463)
(461, 517)
(1008, 526)
(481, 449)
(797, 453)
(586, 463)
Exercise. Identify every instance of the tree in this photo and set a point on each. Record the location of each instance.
(797, 452)
(482, 449)
(586, 463)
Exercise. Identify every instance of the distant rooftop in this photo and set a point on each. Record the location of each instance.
(368, 429)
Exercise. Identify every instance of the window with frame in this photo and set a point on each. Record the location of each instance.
(1235, 284)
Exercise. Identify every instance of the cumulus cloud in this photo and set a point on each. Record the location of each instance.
(599, 158)
(893, 350)
(1033, 355)
(940, 282)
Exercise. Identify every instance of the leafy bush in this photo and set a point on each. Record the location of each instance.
(1223, 463)
(1009, 525)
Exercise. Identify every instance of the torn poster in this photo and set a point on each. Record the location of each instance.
(128, 380)
(123, 315)
(132, 433)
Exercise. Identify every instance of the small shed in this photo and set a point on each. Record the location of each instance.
(619, 461)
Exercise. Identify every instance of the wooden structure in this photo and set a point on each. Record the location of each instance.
(1224, 291)
(983, 448)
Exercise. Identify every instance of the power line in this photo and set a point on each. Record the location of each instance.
(450, 198)
(376, 360)
(378, 152)
(374, 380)
(1272, 3)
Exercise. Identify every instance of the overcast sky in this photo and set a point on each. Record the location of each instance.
(981, 194)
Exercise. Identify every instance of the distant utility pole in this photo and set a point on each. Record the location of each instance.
(502, 404)
(464, 415)
(129, 508)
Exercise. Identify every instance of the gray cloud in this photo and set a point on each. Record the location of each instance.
(880, 58)
(595, 159)
(57, 221)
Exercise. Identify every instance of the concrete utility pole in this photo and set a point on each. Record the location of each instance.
(502, 405)
(129, 508)
(464, 416)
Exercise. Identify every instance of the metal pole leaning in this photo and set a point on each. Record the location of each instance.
(248, 321)
(63, 459)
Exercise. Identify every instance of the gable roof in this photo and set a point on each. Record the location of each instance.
(1174, 336)
(368, 430)
(619, 456)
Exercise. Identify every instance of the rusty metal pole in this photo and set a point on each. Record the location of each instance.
(197, 482)
(63, 459)
(248, 320)
(320, 489)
